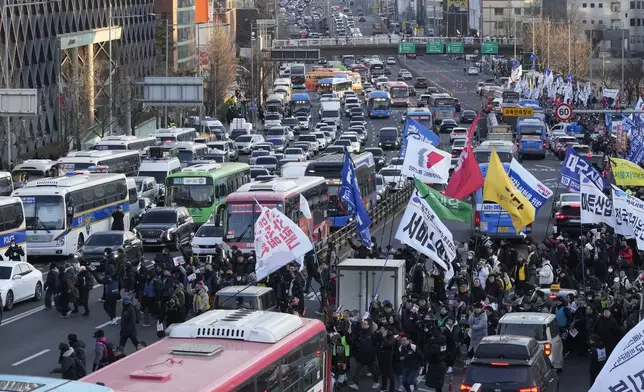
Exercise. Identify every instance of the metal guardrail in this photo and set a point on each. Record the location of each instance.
(381, 40)
(383, 210)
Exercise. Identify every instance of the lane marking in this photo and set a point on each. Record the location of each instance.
(107, 323)
(29, 358)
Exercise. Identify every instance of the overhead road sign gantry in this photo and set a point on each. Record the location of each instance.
(518, 112)
(434, 47)
(563, 112)
(489, 47)
(406, 47)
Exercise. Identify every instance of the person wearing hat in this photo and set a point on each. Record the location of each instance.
(84, 284)
(200, 299)
(477, 322)
(130, 317)
(102, 354)
(71, 367)
(78, 346)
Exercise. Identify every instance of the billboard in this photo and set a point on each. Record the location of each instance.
(457, 5)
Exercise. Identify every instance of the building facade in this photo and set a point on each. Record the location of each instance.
(179, 18)
(49, 38)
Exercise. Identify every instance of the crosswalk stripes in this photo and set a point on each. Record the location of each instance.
(312, 296)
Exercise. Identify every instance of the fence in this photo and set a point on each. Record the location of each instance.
(382, 40)
(383, 210)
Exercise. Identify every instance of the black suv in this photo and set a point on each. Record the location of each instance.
(162, 226)
(421, 82)
(568, 219)
(509, 363)
(94, 247)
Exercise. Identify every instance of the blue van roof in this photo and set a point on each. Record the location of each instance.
(51, 384)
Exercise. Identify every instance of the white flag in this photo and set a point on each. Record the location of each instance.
(623, 370)
(421, 229)
(426, 162)
(278, 241)
(595, 206)
(304, 207)
(629, 216)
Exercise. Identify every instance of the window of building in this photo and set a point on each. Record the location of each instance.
(632, 5)
(600, 22)
(498, 11)
(584, 5)
(639, 5)
(639, 22)
(592, 5)
(632, 22)
(600, 5)
(592, 22)
(517, 11)
(583, 21)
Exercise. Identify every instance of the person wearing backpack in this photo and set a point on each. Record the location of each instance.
(130, 317)
(103, 355)
(71, 368)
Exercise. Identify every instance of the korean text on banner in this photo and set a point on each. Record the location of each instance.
(629, 216)
(278, 241)
(427, 163)
(533, 189)
(596, 207)
(498, 188)
(573, 165)
(417, 131)
(445, 207)
(421, 229)
(626, 173)
(623, 369)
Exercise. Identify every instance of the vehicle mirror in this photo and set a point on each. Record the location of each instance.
(17, 277)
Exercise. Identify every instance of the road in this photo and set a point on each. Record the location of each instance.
(31, 334)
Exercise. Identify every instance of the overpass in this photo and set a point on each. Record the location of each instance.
(312, 49)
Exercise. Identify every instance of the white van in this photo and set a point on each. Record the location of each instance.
(541, 326)
(159, 167)
(294, 169)
(246, 297)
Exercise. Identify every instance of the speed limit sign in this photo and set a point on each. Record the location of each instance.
(563, 112)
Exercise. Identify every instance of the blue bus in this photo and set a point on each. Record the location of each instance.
(443, 106)
(532, 137)
(330, 167)
(422, 115)
(9, 382)
(379, 105)
(490, 219)
(300, 103)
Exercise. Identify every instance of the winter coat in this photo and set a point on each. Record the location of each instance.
(79, 350)
(51, 284)
(478, 328)
(385, 353)
(608, 330)
(410, 356)
(436, 362)
(363, 346)
(100, 357)
(598, 357)
(201, 295)
(68, 366)
(546, 274)
(128, 320)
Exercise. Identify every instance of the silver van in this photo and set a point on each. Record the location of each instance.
(246, 297)
(147, 187)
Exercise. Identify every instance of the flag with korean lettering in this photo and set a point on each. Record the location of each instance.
(622, 371)
(595, 207)
(421, 229)
(573, 165)
(533, 189)
(278, 242)
(628, 211)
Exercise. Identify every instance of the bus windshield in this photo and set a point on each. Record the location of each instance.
(443, 102)
(186, 156)
(379, 103)
(44, 212)
(191, 192)
(484, 156)
(399, 92)
(242, 218)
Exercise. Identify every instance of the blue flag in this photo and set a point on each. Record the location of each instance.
(349, 193)
(417, 131)
(573, 165)
(636, 137)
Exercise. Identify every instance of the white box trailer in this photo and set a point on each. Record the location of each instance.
(358, 279)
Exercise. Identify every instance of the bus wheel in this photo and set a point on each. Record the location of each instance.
(81, 242)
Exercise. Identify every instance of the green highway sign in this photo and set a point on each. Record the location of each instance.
(434, 47)
(406, 47)
(489, 47)
(455, 47)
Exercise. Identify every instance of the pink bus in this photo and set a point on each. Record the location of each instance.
(228, 351)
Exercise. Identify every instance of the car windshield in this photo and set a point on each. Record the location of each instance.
(5, 273)
(308, 138)
(209, 231)
(581, 149)
(459, 131)
(260, 153)
(254, 172)
(388, 134)
(390, 172)
(291, 121)
(266, 161)
(484, 156)
(159, 217)
(574, 197)
(358, 119)
(342, 142)
(159, 176)
(293, 151)
(480, 373)
(243, 139)
(334, 150)
(376, 152)
(458, 143)
(536, 331)
(276, 132)
(468, 113)
(380, 180)
(396, 161)
(271, 117)
(105, 239)
(44, 212)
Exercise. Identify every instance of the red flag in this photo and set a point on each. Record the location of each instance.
(467, 177)
(470, 131)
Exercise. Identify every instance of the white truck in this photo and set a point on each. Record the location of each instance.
(358, 280)
(330, 110)
(241, 123)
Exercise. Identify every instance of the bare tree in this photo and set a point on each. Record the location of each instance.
(73, 103)
(220, 72)
(508, 21)
(633, 77)
(561, 46)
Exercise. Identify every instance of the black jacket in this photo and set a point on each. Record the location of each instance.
(14, 253)
(117, 220)
(79, 350)
(128, 320)
(385, 353)
(51, 284)
(363, 346)
(69, 366)
(598, 357)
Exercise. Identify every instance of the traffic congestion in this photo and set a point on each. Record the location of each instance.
(287, 250)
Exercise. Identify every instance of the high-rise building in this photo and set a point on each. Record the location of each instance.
(53, 44)
(179, 17)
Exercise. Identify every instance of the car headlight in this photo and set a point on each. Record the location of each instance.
(60, 241)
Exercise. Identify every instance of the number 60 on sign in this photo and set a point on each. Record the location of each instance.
(563, 112)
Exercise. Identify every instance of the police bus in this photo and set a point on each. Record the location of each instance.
(125, 162)
(173, 135)
(125, 143)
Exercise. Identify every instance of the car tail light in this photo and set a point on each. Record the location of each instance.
(563, 149)
(545, 144)
(477, 218)
(517, 142)
(547, 348)
(500, 364)
(530, 389)
(434, 114)
(560, 217)
(465, 388)
(589, 155)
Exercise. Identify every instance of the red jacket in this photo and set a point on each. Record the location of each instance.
(627, 254)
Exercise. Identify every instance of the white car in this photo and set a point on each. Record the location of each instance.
(272, 120)
(19, 281)
(391, 61)
(311, 139)
(295, 153)
(355, 145)
(396, 162)
(458, 133)
(304, 122)
(473, 71)
(393, 177)
(321, 139)
(407, 76)
(479, 87)
(246, 143)
(202, 243)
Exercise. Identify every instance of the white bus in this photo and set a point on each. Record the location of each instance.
(6, 184)
(12, 224)
(62, 212)
(188, 151)
(34, 169)
(125, 143)
(125, 162)
(173, 135)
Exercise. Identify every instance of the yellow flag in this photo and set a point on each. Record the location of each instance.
(498, 188)
(627, 173)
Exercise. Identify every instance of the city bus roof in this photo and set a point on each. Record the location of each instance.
(379, 94)
(185, 146)
(396, 84)
(122, 140)
(215, 351)
(171, 131)
(96, 155)
(276, 188)
(300, 97)
(35, 164)
(214, 170)
(64, 185)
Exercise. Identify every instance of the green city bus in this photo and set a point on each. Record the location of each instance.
(203, 188)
